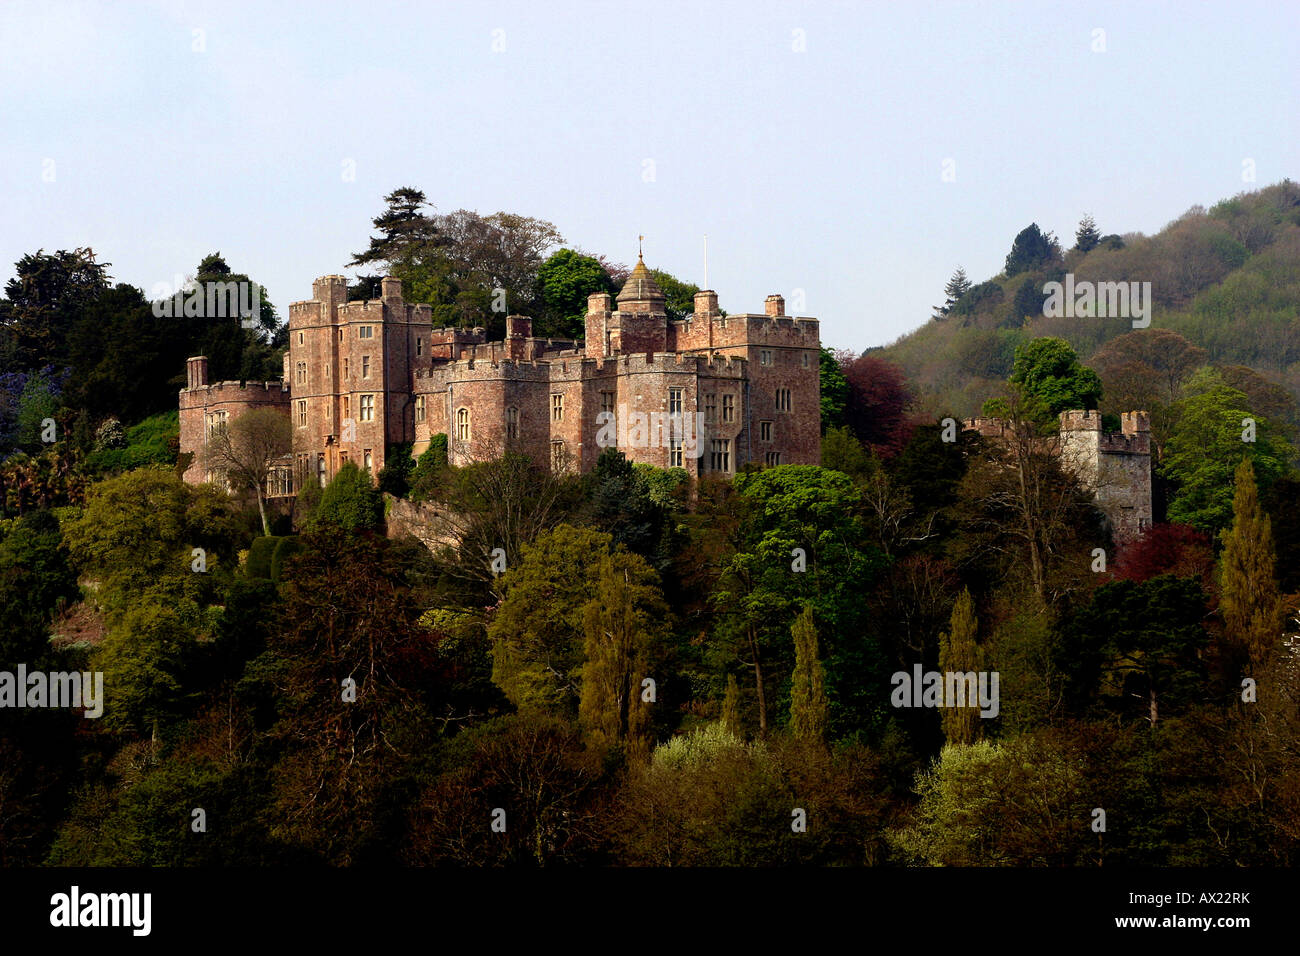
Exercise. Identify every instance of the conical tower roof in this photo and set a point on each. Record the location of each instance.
(641, 286)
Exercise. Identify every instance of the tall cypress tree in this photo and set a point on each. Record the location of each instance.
(958, 652)
(807, 691)
(610, 706)
(1248, 594)
(731, 708)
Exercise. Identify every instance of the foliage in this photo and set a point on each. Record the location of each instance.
(834, 390)
(1248, 595)
(395, 477)
(153, 441)
(1031, 250)
(567, 278)
(1050, 372)
(1204, 449)
(807, 691)
(877, 405)
(959, 653)
(350, 501)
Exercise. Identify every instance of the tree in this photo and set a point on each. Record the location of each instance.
(350, 501)
(1177, 549)
(807, 691)
(142, 661)
(1027, 303)
(842, 452)
(618, 635)
(1204, 448)
(1011, 803)
(1016, 499)
(834, 390)
(731, 708)
(877, 403)
(957, 287)
(958, 653)
(503, 502)
(35, 581)
(492, 265)
(539, 630)
(395, 477)
(137, 532)
(1165, 357)
(407, 232)
(1248, 594)
(679, 295)
(621, 505)
(245, 451)
(1087, 237)
(1031, 250)
(1145, 641)
(353, 681)
(534, 767)
(980, 298)
(801, 539)
(567, 278)
(1049, 372)
(44, 301)
(234, 351)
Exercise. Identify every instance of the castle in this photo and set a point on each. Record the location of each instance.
(708, 393)
(1114, 466)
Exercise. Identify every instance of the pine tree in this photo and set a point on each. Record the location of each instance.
(1088, 236)
(1032, 249)
(407, 231)
(1249, 600)
(959, 653)
(807, 690)
(957, 287)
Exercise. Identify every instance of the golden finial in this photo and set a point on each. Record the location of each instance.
(639, 254)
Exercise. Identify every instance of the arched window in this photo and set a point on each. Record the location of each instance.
(462, 424)
(512, 423)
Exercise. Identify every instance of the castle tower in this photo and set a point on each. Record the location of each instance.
(641, 323)
(1115, 467)
(641, 293)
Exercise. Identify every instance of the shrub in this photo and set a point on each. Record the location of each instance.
(260, 553)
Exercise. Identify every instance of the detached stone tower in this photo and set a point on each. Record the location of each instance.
(1116, 466)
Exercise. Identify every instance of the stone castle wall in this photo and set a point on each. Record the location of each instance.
(202, 403)
(362, 376)
(1114, 466)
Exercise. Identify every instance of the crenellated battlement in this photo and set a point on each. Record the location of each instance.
(238, 391)
(987, 427)
(1081, 420)
(379, 367)
(1114, 466)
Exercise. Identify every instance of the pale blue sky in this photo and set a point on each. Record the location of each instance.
(817, 170)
